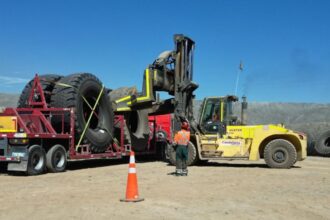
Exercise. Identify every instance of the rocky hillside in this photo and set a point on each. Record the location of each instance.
(311, 119)
(8, 100)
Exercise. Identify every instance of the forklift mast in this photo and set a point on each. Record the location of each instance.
(171, 72)
(184, 86)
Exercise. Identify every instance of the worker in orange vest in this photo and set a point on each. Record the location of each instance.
(181, 140)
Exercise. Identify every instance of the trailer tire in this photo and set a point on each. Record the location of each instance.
(280, 153)
(36, 160)
(322, 145)
(99, 133)
(47, 83)
(192, 154)
(56, 159)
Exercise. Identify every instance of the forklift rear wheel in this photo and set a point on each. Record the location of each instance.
(280, 153)
(36, 160)
(56, 159)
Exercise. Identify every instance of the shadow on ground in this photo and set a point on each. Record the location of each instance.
(86, 164)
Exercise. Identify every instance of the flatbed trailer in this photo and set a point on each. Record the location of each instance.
(30, 143)
(32, 126)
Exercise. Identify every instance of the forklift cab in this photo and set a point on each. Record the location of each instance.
(217, 113)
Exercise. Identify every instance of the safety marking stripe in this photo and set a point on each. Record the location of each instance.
(123, 109)
(131, 170)
(147, 87)
(131, 159)
(123, 99)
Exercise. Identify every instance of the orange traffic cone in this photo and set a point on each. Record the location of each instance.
(132, 194)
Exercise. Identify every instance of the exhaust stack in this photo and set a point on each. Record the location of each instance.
(243, 111)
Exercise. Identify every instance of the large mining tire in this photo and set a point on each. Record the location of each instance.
(117, 133)
(138, 126)
(47, 83)
(310, 145)
(322, 145)
(192, 154)
(99, 133)
(280, 153)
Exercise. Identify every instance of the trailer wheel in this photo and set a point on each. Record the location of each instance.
(36, 161)
(47, 83)
(192, 154)
(56, 159)
(322, 145)
(72, 93)
(280, 153)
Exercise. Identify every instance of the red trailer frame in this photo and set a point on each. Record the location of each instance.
(34, 123)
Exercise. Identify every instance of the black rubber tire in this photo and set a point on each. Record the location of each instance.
(117, 133)
(192, 154)
(36, 161)
(161, 145)
(100, 131)
(310, 145)
(138, 126)
(161, 150)
(56, 159)
(47, 83)
(280, 153)
(322, 145)
(161, 136)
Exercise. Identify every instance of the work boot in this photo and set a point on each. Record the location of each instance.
(184, 172)
(178, 172)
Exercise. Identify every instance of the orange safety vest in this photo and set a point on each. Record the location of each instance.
(182, 137)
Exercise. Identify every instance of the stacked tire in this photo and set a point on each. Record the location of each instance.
(79, 91)
(47, 82)
(322, 144)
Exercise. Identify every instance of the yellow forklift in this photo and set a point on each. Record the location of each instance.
(223, 135)
(218, 134)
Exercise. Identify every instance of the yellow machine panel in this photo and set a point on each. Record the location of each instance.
(8, 124)
(232, 147)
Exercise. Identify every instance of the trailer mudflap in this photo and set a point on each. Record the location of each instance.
(17, 158)
(21, 166)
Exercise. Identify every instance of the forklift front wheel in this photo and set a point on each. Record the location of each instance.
(280, 153)
(36, 160)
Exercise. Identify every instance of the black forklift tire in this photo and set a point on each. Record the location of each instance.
(322, 146)
(99, 133)
(36, 160)
(192, 154)
(56, 159)
(280, 153)
(47, 82)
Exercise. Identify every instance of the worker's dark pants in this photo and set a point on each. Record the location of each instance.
(181, 158)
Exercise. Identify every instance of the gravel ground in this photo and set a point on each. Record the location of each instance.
(216, 190)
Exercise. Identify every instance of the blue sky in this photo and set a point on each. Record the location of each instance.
(284, 44)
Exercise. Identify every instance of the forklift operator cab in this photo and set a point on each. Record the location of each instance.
(217, 112)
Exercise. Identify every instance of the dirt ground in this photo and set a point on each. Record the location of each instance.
(216, 190)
